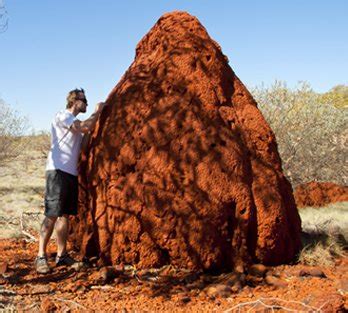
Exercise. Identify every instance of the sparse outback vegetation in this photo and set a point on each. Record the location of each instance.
(12, 128)
(22, 160)
(310, 129)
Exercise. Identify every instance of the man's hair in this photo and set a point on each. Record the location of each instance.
(72, 95)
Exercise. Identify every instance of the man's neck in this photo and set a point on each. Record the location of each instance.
(73, 111)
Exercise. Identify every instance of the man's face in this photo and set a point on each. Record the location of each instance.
(81, 102)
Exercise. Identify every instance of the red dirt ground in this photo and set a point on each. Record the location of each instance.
(104, 289)
(319, 194)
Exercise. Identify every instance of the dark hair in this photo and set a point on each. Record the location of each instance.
(72, 95)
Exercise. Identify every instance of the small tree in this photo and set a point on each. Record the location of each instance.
(310, 132)
(12, 127)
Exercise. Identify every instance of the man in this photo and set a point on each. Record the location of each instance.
(61, 176)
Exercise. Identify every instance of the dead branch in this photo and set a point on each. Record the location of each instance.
(24, 232)
(106, 287)
(275, 304)
(77, 305)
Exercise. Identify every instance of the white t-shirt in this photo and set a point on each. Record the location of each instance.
(65, 144)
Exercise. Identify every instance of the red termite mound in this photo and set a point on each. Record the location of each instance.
(182, 168)
(320, 194)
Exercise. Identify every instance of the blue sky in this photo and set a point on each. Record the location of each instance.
(51, 47)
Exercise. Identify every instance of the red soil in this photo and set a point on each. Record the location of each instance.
(319, 194)
(182, 168)
(295, 288)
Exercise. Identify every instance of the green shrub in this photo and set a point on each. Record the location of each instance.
(310, 130)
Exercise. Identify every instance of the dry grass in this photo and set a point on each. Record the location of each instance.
(322, 253)
(325, 234)
(22, 183)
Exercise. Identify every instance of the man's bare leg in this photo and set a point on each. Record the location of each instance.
(46, 230)
(62, 229)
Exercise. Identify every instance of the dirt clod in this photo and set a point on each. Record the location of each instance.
(48, 306)
(185, 300)
(315, 272)
(319, 194)
(257, 270)
(275, 281)
(3, 267)
(219, 290)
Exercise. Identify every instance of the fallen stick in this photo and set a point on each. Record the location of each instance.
(24, 232)
(30, 307)
(262, 302)
(107, 287)
(71, 302)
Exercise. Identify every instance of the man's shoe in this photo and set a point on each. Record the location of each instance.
(65, 259)
(41, 265)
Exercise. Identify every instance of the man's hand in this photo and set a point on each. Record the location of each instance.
(88, 125)
(99, 107)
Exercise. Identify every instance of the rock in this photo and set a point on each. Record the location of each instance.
(79, 266)
(185, 300)
(47, 305)
(258, 270)
(234, 278)
(235, 281)
(345, 304)
(77, 286)
(40, 289)
(169, 165)
(219, 290)
(3, 267)
(253, 280)
(237, 287)
(91, 261)
(315, 272)
(81, 276)
(81, 289)
(119, 267)
(275, 281)
(105, 275)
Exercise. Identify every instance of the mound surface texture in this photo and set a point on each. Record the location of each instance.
(182, 168)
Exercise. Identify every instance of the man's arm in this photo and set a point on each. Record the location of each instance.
(89, 124)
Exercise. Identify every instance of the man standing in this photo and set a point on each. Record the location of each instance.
(61, 176)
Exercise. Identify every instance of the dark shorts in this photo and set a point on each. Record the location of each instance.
(61, 193)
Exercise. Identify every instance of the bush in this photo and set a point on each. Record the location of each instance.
(12, 128)
(41, 142)
(310, 131)
(337, 96)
